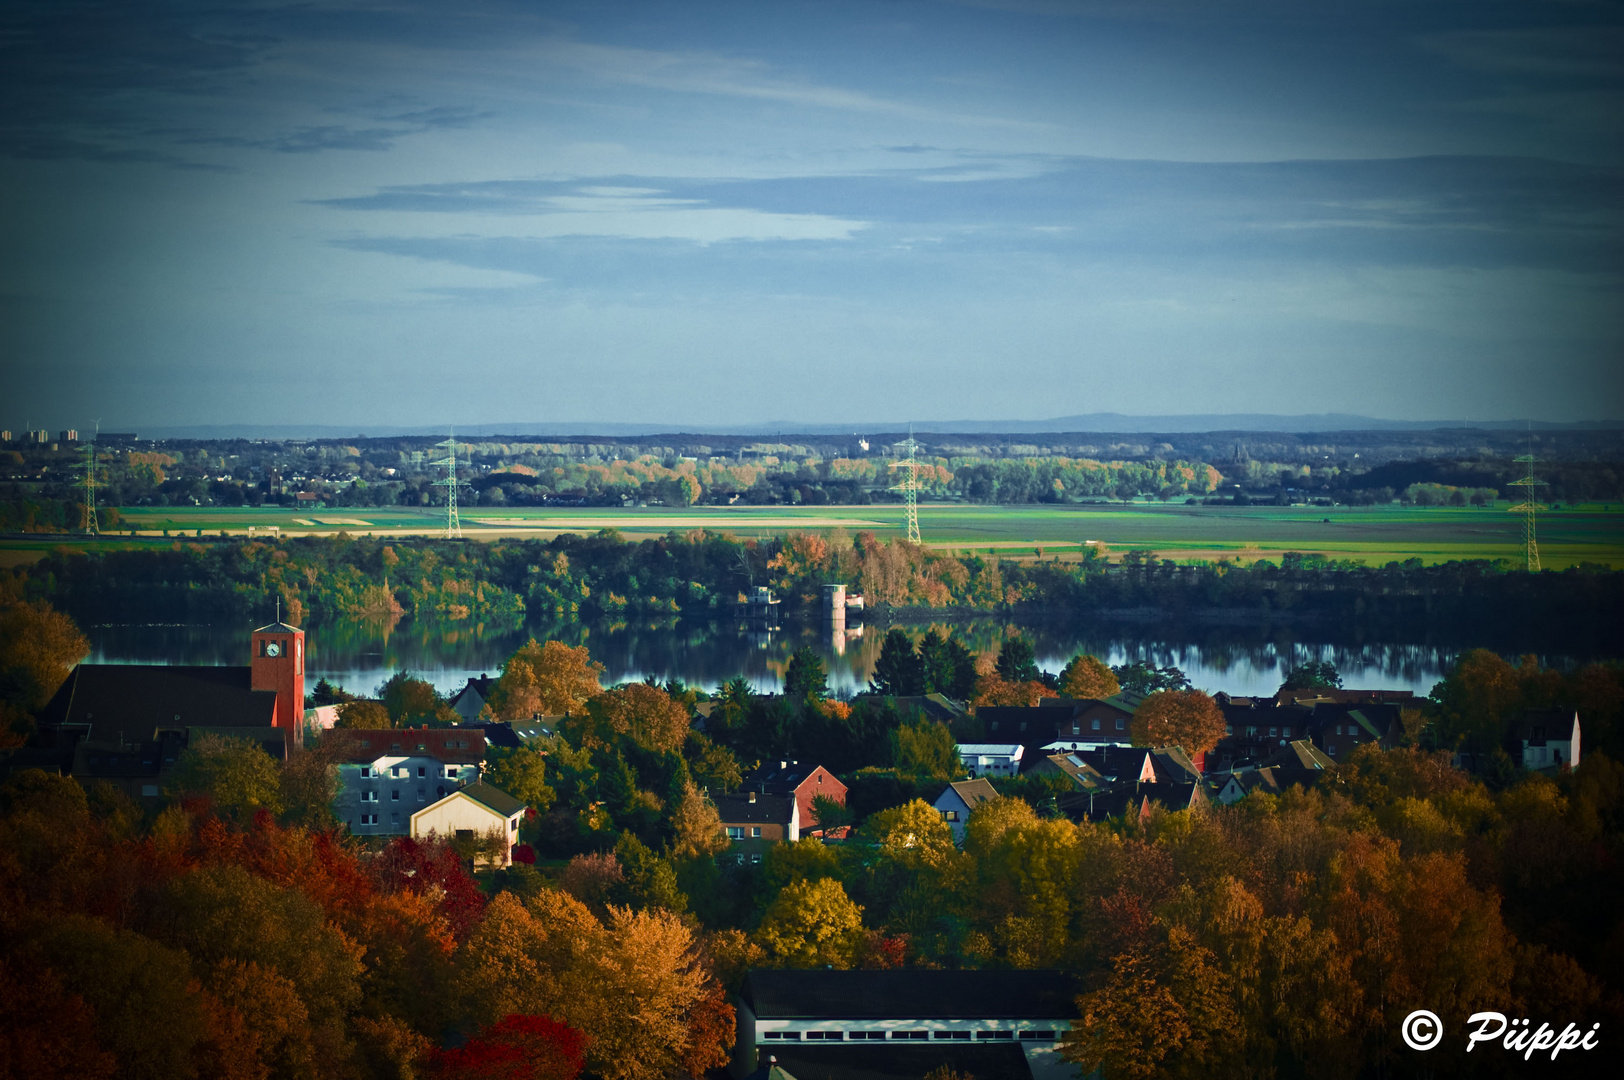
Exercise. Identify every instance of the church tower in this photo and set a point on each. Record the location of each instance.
(278, 664)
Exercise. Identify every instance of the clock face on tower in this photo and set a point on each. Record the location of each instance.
(273, 648)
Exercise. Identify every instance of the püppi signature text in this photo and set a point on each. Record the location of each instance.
(1518, 1035)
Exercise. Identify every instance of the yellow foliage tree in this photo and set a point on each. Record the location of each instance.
(1088, 677)
(550, 679)
(812, 924)
(646, 713)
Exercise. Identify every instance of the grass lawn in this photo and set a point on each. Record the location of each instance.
(1374, 534)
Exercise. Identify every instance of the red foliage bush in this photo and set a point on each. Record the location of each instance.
(515, 1048)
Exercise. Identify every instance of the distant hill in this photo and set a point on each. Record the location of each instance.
(1103, 423)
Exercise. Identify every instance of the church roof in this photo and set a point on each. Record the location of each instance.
(130, 703)
(278, 628)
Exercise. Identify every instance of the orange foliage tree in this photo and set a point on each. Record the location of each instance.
(1185, 718)
(551, 679)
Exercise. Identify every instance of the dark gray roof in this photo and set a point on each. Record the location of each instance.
(132, 702)
(900, 1061)
(909, 994)
(766, 810)
(492, 798)
(277, 628)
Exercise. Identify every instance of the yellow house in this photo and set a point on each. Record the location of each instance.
(472, 811)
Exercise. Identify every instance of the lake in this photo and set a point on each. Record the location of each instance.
(360, 655)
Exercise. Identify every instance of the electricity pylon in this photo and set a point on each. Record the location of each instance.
(453, 527)
(87, 519)
(910, 487)
(1528, 508)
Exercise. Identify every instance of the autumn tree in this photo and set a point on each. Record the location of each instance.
(1184, 718)
(38, 648)
(645, 714)
(550, 679)
(1312, 675)
(925, 748)
(811, 924)
(363, 714)
(521, 771)
(515, 1048)
(236, 775)
(412, 702)
(1088, 677)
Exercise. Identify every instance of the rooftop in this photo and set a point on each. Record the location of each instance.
(906, 994)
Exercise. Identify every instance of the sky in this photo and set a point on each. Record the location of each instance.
(374, 213)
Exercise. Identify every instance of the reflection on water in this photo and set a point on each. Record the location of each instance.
(361, 654)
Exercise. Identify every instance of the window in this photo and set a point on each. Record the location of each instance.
(422, 795)
(1121, 724)
(755, 831)
(422, 770)
(1251, 729)
(369, 796)
(394, 817)
(995, 1035)
(1023, 725)
(792, 1036)
(1095, 724)
(860, 1035)
(1286, 732)
(394, 796)
(772, 1035)
(735, 832)
(369, 819)
(916, 1035)
(835, 1035)
(755, 860)
(513, 826)
(950, 815)
(1038, 1036)
(1274, 732)
(366, 772)
(950, 1035)
(149, 790)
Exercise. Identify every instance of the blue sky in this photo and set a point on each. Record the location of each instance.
(692, 214)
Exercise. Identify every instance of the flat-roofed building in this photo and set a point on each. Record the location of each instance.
(1001, 1019)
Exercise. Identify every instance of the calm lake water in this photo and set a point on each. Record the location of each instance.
(361, 655)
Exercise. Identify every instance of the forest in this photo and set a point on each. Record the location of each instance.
(234, 930)
(701, 575)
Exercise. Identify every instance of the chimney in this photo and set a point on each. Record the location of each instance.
(752, 796)
(782, 765)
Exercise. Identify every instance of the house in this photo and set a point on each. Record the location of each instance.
(1254, 728)
(1339, 728)
(991, 759)
(1272, 779)
(958, 799)
(512, 734)
(1071, 765)
(1137, 799)
(472, 811)
(753, 821)
(1091, 722)
(1549, 737)
(803, 782)
(1299, 754)
(386, 774)
(905, 1022)
(127, 724)
(470, 700)
(938, 707)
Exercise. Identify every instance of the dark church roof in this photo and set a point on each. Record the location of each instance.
(905, 994)
(277, 628)
(131, 703)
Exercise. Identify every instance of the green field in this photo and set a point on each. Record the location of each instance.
(1374, 534)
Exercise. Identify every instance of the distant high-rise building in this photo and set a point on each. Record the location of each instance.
(5, 436)
(40, 437)
(68, 435)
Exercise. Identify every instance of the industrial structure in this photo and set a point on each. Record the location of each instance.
(453, 526)
(910, 486)
(1528, 508)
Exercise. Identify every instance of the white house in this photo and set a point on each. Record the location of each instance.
(991, 759)
(985, 1023)
(1550, 739)
(957, 800)
(387, 774)
(476, 810)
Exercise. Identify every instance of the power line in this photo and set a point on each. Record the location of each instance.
(453, 526)
(1528, 508)
(910, 486)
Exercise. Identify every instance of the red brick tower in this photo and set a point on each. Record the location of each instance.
(278, 664)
